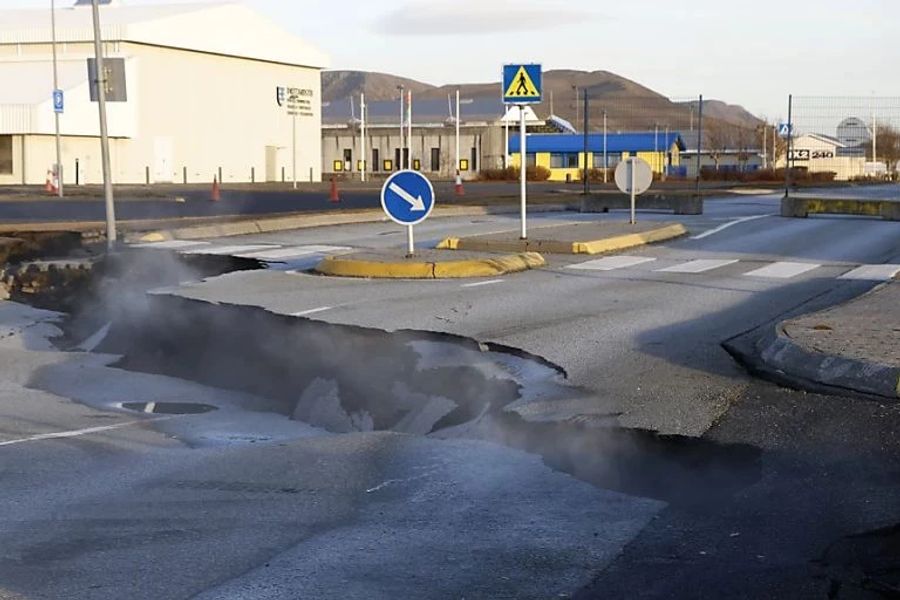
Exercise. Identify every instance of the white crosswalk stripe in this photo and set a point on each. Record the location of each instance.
(872, 273)
(610, 263)
(264, 252)
(697, 266)
(227, 250)
(783, 270)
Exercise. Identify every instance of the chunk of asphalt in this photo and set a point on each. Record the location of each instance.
(320, 406)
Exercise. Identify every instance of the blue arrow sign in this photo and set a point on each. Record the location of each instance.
(522, 84)
(407, 197)
(58, 101)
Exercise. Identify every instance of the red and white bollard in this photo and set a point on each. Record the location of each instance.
(459, 186)
(334, 197)
(51, 186)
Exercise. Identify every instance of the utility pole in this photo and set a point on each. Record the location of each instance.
(362, 136)
(699, 140)
(59, 165)
(765, 147)
(409, 129)
(104, 135)
(605, 156)
(400, 161)
(586, 125)
(458, 119)
(506, 136)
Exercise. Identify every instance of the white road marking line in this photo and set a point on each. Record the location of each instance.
(79, 432)
(170, 244)
(232, 250)
(872, 273)
(150, 407)
(311, 311)
(480, 283)
(729, 224)
(783, 270)
(610, 263)
(325, 249)
(697, 266)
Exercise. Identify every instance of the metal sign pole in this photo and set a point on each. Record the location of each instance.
(59, 165)
(523, 170)
(631, 169)
(410, 244)
(104, 137)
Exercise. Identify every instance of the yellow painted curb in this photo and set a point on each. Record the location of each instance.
(482, 267)
(630, 240)
(612, 244)
(156, 236)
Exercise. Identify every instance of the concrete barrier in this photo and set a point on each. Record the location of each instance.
(803, 206)
(680, 204)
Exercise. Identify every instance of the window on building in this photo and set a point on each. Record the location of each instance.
(376, 163)
(435, 159)
(530, 159)
(474, 162)
(348, 159)
(6, 155)
(612, 159)
(563, 160)
(397, 158)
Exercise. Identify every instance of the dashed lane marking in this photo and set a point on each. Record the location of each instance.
(872, 273)
(481, 283)
(311, 311)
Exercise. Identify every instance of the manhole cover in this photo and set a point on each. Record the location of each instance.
(168, 408)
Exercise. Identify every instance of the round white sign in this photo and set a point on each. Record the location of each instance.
(634, 171)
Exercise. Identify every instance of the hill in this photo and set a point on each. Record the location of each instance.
(628, 105)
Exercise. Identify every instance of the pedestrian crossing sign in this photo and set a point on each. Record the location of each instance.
(522, 84)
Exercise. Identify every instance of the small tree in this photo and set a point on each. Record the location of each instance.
(887, 146)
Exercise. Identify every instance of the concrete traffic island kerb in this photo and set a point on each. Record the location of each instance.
(426, 264)
(578, 238)
(853, 346)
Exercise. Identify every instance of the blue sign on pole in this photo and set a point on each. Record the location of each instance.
(522, 84)
(407, 197)
(58, 101)
(785, 129)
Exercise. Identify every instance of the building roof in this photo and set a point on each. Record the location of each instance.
(615, 142)
(227, 28)
(425, 112)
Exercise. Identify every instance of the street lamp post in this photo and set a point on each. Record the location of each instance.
(104, 135)
(400, 157)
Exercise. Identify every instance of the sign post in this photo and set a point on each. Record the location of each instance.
(297, 102)
(633, 177)
(521, 86)
(407, 198)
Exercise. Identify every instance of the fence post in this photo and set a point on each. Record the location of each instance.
(282, 174)
(787, 154)
(147, 175)
(77, 173)
(220, 175)
(184, 175)
(252, 174)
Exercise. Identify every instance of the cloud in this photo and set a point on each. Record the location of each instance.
(478, 17)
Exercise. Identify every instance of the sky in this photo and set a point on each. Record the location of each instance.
(752, 53)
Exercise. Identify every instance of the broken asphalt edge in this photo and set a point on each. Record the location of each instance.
(342, 266)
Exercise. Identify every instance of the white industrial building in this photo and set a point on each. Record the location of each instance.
(212, 90)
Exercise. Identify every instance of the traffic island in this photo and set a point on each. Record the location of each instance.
(578, 238)
(426, 264)
(854, 346)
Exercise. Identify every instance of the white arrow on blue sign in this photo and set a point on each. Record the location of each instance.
(785, 129)
(407, 197)
(58, 101)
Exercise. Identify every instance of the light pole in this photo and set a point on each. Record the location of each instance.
(59, 166)
(605, 156)
(400, 157)
(457, 135)
(104, 135)
(362, 136)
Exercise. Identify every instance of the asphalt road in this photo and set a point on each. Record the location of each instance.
(159, 202)
(755, 492)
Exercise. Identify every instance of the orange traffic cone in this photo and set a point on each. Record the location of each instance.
(50, 184)
(334, 192)
(216, 194)
(459, 186)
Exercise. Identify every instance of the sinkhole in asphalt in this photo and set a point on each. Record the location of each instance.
(168, 408)
(348, 379)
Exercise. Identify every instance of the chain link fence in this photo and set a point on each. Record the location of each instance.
(841, 139)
